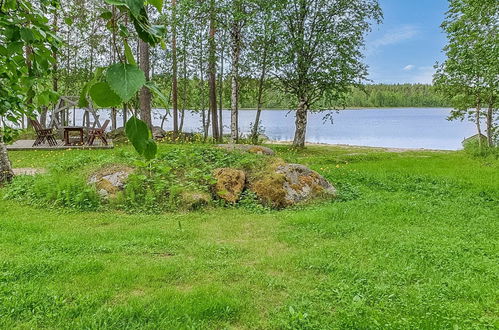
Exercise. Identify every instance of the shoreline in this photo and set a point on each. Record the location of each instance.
(349, 146)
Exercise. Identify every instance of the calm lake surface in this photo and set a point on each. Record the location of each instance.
(395, 127)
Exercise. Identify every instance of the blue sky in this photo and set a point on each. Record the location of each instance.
(404, 48)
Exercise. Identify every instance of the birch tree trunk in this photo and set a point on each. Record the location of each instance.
(477, 122)
(490, 125)
(212, 73)
(6, 173)
(301, 125)
(174, 69)
(145, 94)
(221, 94)
(236, 53)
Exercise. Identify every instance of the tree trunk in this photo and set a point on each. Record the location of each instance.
(174, 69)
(221, 95)
(301, 125)
(261, 82)
(145, 94)
(212, 73)
(114, 122)
(490, 125)
(478, 126)
(236, 53)
(6, 173)
(125, 114)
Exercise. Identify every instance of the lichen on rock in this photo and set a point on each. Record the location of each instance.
(289, 184)
(110, 180)
(229, 184)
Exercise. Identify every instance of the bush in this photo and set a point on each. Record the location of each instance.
(474, 149)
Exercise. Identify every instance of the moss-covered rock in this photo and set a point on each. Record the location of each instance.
(110, 180)
(230, 184)
(193, 200)
(289, 184)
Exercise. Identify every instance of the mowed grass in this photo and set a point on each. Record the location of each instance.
(412, 242)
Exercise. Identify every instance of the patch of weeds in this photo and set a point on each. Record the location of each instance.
(249, 201)
(347, 192)
(54, 191)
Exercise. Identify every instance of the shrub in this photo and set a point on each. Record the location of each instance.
(474, 149)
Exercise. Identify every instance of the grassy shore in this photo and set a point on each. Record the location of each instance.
(411, 243)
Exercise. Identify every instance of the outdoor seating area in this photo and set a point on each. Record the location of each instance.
(64, 131)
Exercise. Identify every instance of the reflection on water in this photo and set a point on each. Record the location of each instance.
(397, 128)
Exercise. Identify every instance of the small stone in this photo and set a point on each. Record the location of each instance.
(193, 200)
(230, 184)
(110, 180)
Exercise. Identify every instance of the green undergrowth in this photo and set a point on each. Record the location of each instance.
(154, 187)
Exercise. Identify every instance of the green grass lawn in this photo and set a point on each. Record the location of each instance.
(411, 244)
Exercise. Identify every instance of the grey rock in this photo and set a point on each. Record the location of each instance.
(110, 180)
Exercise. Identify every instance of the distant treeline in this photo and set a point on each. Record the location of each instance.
(367, 96)
(370, 96)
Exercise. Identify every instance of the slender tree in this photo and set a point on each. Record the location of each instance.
(174, 68)
(320, 45)
(145, 93)
(212, 63)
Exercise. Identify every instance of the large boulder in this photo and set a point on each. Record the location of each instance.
(229, 184)
(259, 150)
(290, 184)
(110, 180)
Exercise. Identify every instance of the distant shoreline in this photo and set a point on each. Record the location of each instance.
(349, 146)
(349, 108)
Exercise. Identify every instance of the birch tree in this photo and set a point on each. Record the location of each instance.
(321, 42)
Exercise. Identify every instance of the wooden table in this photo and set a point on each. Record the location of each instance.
(68, 129)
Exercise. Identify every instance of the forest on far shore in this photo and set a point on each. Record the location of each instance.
(365, 96)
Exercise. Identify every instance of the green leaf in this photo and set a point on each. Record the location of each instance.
(43, 98)
(125, 80)
(138, 133)
(116, 2)
(128, 53)
(82, 100)
(27, 35)
(103, 95)
(155, 90)
(150, 149)
(158, 4)
(106, 15)
(136, 7)
(68, 20)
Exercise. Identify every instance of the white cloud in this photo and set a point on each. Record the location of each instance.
(409, 67)
(424, 75)
(394, 36)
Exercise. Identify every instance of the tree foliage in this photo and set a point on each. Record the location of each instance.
(469, 77)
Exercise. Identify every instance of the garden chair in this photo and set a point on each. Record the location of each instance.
(43, 134)
(98, 133)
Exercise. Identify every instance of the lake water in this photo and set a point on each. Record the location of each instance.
(396, 128)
